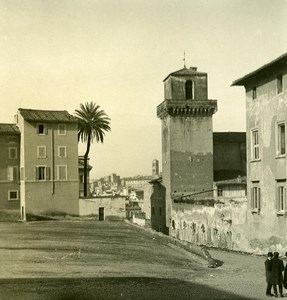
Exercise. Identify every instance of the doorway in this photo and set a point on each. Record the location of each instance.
(101, 213)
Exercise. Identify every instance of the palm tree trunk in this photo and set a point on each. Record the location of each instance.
(86, 166)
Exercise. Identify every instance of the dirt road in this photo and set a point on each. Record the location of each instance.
(115, 260)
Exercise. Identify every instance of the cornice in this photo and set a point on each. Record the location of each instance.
(186, 108)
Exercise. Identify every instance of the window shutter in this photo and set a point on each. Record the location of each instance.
(277, 199)
(251, 198)
(285, 206)
(259, 198)
(45, 129)
(47, 173)
(37, 173)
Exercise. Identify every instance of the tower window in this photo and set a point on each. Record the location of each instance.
(188, 89)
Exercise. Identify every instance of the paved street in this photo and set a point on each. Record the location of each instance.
(115, 260)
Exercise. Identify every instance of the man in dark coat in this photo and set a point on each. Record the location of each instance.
(276, 268)
(268, 272)
(285, 274)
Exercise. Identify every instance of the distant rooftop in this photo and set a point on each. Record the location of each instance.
(184, 72)
(47, 115)
(9, 128)
(279, 61)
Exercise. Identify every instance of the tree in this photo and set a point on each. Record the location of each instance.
(93, 123)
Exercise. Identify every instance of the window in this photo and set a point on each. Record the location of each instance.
(255, 145)
(41, 151)
(12, 152)
(62, 172)
(281, 196)
(62, 151)
(279, 84)
(41, 129)
(281, 145)
(254, 93)
(219, 191)
(188, 89)
(12, 173)
(255, 199)
(13, 195)
(81, 178)
(152, 210)
(41, 173)
(62, 129)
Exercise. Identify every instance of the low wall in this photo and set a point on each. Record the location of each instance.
(114, 207)
(222, 225)
(138, 221)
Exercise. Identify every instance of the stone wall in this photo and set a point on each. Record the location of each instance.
(212, 223)
(114, 207)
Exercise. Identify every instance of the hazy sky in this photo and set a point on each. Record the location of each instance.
(56, 54)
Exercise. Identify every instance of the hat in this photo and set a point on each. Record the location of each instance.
(270, 254)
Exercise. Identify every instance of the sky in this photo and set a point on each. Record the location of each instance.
(55, 55)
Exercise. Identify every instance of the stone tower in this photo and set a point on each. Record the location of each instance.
(187, 137)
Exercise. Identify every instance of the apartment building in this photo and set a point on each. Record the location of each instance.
(266, 117)
(49, 180)
(9, 166)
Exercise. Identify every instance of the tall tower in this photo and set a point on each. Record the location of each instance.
(155, 168)
(187, 137)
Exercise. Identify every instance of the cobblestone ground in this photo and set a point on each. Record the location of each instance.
(115, 260)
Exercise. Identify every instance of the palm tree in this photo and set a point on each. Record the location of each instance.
(93, 123)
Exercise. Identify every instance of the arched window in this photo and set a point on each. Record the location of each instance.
(188, 90)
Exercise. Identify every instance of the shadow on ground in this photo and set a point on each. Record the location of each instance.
(108, 288)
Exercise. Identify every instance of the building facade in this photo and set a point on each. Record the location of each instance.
(48, 162)
(9, 166)
(266, 115)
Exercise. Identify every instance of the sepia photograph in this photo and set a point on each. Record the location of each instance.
(143, 149)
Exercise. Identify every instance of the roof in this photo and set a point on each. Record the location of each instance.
(281, 60)
(185, 71)
(156, 180)
(9, 128)
(47, 115)
(240, 180)
(229, 137)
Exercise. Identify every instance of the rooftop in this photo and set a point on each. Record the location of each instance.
(9, 128)
(47, 115)
(185, 71)
(279, 61)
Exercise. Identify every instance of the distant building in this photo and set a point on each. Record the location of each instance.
(9, 166)
(138, 182)
(155, 168)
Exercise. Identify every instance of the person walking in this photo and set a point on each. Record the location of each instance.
(276, 268)
(267, 264)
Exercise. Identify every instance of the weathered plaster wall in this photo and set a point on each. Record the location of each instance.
(263, 113)
(114, 207)
(222, 225)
